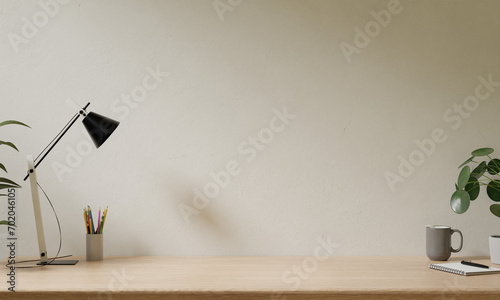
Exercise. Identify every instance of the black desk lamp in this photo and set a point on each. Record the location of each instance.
(99, 129)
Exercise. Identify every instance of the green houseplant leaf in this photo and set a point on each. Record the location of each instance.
(466, 162)
(7, 186)
(467, 191)
(11, 122)
(9, 144)
(4, 182)
(460, 202)
(482, 152)
(463, 178)
(3, 222)
(472, 188)
(494, 166)
(479, 170)
(495, 209)
(8, 181)
(493, 190)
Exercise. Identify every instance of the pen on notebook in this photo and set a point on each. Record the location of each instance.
(469, 263)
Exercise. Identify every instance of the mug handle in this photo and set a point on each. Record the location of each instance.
(461, 240)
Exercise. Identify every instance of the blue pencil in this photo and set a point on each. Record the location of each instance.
(91, 220)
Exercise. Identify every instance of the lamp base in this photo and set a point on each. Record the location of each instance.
(60, 262)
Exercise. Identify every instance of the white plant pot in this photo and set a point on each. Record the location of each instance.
(495, 249)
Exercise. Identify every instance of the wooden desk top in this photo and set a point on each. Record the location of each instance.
(273, 278)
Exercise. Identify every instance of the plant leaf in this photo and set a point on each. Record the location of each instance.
(8, 144)
(3, 167)
(4, 222)
(463, 178)
(472, 188)
(460, 202)
(8, 181)
(9, 122)
(482, 152)
(493, 190)
(466, 162)
(495, 209)
(494, 166)
(8, 186)
(479, 170)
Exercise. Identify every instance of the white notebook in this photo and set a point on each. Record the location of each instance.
(461, 269)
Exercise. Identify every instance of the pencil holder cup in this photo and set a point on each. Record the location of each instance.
(94, 247)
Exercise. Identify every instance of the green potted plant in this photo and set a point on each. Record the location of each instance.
(6, 183)
(486, 173)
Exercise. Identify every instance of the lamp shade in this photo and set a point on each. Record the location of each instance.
(99, 127)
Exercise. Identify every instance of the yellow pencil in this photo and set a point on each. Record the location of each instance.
(86, 220)
(104, 217)
(102, 221)
(91, 221)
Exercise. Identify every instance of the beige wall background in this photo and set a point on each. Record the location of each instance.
(252, 127)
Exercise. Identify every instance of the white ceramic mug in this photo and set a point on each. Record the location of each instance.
(495, 249)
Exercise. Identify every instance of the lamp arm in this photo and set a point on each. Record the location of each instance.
(37, 211)
(58, 138)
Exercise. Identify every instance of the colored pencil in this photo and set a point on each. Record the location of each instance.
(102, 223)
(85, 219)
(88, 221)
(99, 221)
(105, 214)
(91, 220)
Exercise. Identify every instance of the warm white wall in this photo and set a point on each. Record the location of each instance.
(322, 176)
